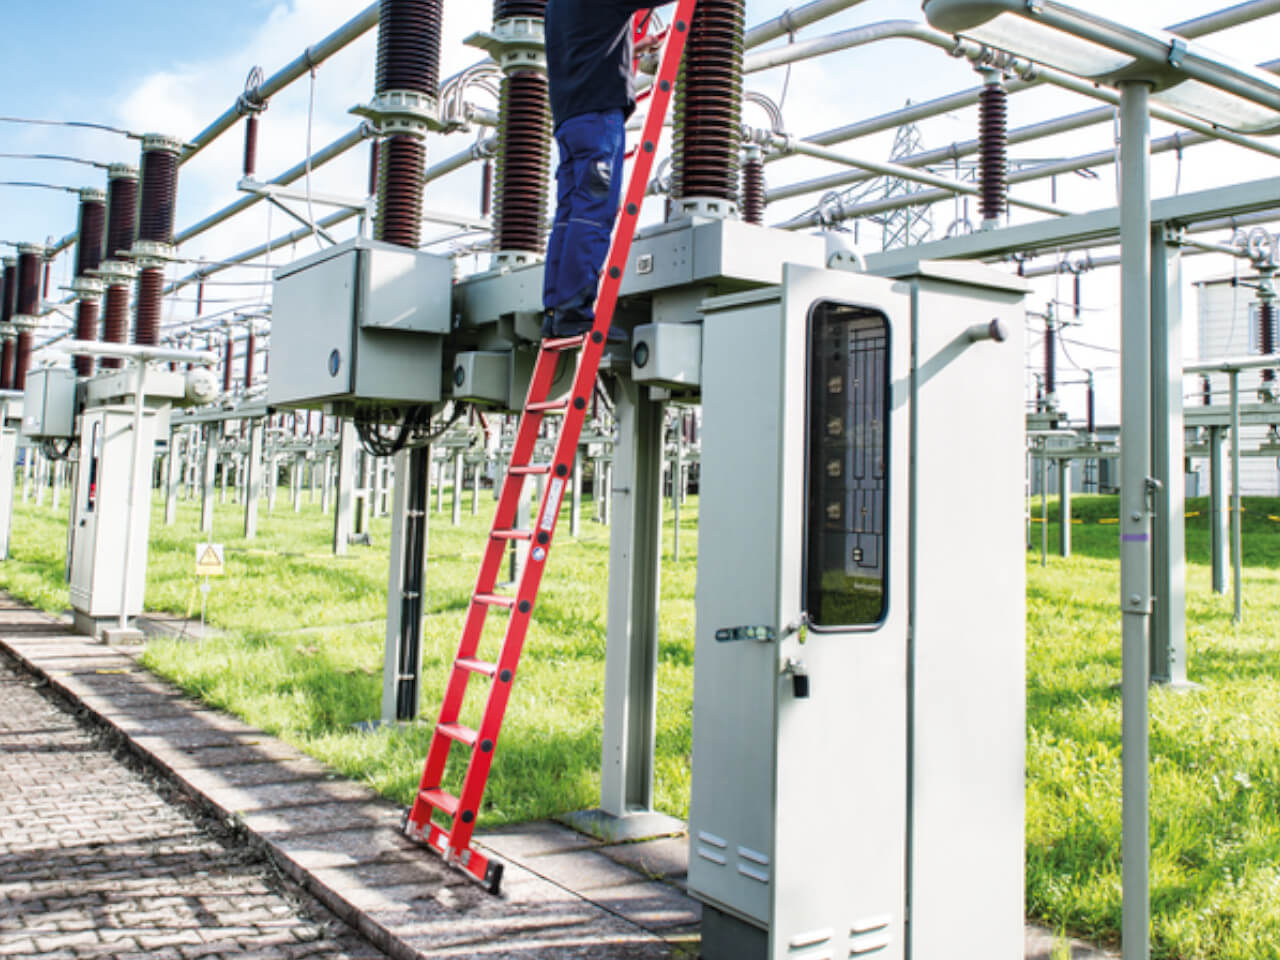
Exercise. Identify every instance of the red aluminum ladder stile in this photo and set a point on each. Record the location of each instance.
(454, 843)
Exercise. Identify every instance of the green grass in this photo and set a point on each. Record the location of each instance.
(300, 652)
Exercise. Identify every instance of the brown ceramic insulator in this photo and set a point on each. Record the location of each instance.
(115, 321)
(486, 189)
(1050, 359)
(505, 9)
(753, 190)
(146, 323)
(226, 365)
(122, 216)
(22, 360)
(159, 196)
(375, 149)
(48, 278)
(521, 177)
(86, 329)
(709, 104)
(27, 299)
(409, 46)
(993, 150)
(400, 190)
(1266, 335)
(9, 294)
(250, 145)
(251, 345)
(93, 223)
(6, 364)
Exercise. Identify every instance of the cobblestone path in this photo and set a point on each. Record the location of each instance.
(96, 862)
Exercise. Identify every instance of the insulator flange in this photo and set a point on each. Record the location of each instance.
(515, 43)
(402, 113)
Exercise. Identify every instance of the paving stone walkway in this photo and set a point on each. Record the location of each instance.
(95, 861)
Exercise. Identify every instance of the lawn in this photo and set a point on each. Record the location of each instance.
(299, 653)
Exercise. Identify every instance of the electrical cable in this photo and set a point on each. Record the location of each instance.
(72, 123)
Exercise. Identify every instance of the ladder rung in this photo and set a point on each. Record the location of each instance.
(473, 665)
(530, 470)
(456, 731)
(558, 344)
(512, 534)
(495, 600)
(548, 406)
(440, 800)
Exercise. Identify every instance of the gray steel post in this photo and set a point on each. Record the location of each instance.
(575, 492)
(1169, 614)
(1064, 507)
(8, 460)
(222, 480)
(42, 478)
(597, 488)
(1219, 519)
(253, 477)
(210, 474)
(315, 480)
(326, 484)
(1135, 511)
(27, 463)
(476, 470)
(273, 481)
(607, 491)
(631, 657)
(56, 483)
(457, 488)
(402, 661)
(438, 466)
(348, 448)
(173, 476)
(1237, 505)
(677, 472)
(297, 479)
(1044, 503)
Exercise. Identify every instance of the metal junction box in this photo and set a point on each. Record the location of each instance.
(500, 378)
(858, 728)
(667, 354)
(49, 404)
(362, 321)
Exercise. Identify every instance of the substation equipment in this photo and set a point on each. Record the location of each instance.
(858, 704)
(835, 608)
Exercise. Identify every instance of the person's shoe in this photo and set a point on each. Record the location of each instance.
(570, 323)
(548, 322)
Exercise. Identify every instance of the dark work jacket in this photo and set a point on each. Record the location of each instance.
(589, 56)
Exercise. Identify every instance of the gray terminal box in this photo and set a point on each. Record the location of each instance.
(49, 404)
(362, 321)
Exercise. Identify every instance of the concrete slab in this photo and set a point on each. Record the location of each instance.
(580, 870)
(534, 839)
(666, 858)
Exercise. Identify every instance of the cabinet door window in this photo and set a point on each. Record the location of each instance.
(846, 566)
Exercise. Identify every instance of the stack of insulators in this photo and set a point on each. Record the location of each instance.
(1050, 359)
(93, 219)
(251, 344)
(159, 195)
(8, 296)
(409, 46)
(506, 9)
(400, 165)
(753, 189)
(408, 59)
(155, 225)
(708, 127)
(1267, 335)
(993, 147)
(524, 144)
(27, 304)
(115, 321)
(122, 212)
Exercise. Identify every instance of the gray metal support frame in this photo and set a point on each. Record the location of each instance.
(348, 465)
(1169, 615)
(253, 477)
(631, 659)
(458, 470)
(326, 484)
(410, 524)
(8, 461)
(173, 474)
(210, 475)
(1135, 513)
(476, 471)
(1064, 507)
(1237, 503)
(273, 482)
(1219, 517)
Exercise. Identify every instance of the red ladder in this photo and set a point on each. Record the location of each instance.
(454, 842)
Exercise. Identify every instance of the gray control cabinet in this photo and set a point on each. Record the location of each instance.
(360, 322)
(858, 688)
(49, 404)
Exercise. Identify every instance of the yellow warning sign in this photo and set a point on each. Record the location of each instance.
(210, 560)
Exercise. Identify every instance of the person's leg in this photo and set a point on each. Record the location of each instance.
(595, 141)
(551, 284)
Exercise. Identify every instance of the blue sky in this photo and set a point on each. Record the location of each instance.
(172, 67)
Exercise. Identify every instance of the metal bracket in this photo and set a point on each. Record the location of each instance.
(1177, 52)
(1035, 7)
(1152, 487)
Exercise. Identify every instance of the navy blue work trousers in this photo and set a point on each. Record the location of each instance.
(588, 191)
